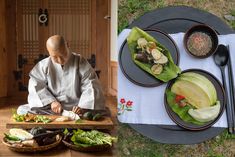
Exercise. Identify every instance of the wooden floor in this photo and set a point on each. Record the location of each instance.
(7, 104)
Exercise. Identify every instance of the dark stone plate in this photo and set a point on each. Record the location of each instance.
(220, 95)
(137, 75)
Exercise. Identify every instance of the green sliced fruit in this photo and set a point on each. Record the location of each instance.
(205, 114)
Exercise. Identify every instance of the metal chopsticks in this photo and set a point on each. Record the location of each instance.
(231, 89)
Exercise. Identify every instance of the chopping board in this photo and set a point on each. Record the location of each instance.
(104, 123)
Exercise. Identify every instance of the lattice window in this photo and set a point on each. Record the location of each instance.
(72, 19)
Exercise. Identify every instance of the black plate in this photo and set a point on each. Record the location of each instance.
(137, 75)
(220, 96)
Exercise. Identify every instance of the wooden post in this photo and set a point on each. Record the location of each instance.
(3, 53)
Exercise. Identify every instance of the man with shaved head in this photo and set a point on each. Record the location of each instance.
(63, 81)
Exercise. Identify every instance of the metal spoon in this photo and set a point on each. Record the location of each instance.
(221, 57)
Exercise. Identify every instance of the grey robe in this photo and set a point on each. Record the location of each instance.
(74, 84)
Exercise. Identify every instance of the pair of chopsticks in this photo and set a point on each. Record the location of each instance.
(231, 91)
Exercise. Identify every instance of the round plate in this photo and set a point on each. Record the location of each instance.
(134, 73)
(220, 96)
(33, 149)
(97, 148)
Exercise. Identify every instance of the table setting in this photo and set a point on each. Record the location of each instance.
(144, 96)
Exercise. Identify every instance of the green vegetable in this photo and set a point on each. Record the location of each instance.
(170, 70)
(11, 137)
(88, 115)
(197, 89)
(91, 138)
(40, 118)
(17, 117)
(182, 112)
(205, 114)
(97, 116)
(37, 130)
(92, 116)
(78, 121)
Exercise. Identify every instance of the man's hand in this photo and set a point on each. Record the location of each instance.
(77, 110)
(56, 107)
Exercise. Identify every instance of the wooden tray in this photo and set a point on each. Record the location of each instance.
(104, 123)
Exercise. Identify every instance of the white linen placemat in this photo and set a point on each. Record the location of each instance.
(141, 105)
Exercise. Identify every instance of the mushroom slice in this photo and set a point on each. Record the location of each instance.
(142, 58)
(157, 69)
(156, 54)
(162, 60)
(148, 50)
(142, 42)
(151, 45)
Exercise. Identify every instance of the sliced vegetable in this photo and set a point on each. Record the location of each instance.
(21, 134)
(136, 39)
(205, 114)
(142, 42)
(157, 69)
(11, 137)
(199, 92)
(162, 60)
(182, 112)
(156, 54)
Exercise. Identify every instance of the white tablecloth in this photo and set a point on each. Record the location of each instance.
(146, 105)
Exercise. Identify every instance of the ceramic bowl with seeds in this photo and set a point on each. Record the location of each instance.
(201, 41)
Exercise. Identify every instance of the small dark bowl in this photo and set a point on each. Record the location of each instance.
(204, 29)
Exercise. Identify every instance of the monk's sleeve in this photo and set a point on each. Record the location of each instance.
(39, 94)
(91, 92)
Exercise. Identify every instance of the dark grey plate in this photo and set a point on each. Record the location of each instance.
(137, 75)
(220, 95)
(176, 19)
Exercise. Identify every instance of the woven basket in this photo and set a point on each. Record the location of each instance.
(96, 148)
(33, 149)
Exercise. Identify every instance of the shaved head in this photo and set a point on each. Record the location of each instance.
(55, 42)
(58, 49)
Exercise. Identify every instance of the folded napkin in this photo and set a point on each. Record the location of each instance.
(141, 105)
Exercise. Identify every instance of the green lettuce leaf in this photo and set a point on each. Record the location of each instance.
(170, 70)
(182, 112)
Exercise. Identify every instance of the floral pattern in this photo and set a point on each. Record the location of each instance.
(124, 105)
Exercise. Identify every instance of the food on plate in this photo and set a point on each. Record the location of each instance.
(151, 56)
(205, 114)
(89, 138)
(197, 89)
(92, 116)
(37, 130)
(21, 134)
(31, 118)
(199, 43)
(62, 119)
(37, 136)
(193, 98)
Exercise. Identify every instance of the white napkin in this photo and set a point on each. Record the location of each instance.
(146, 105)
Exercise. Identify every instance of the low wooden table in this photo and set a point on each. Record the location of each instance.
(104, 123)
